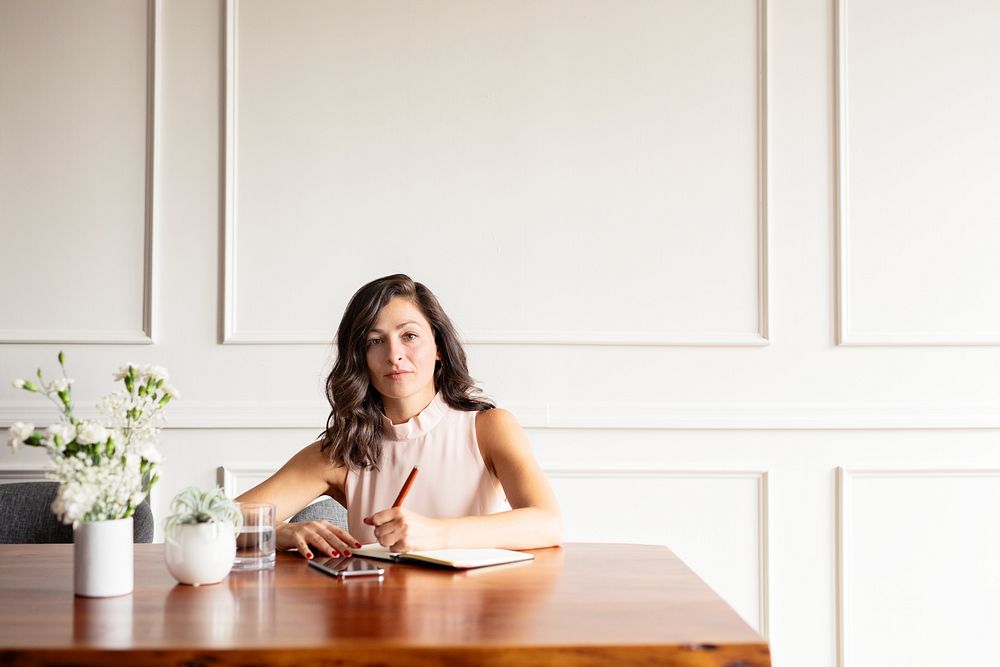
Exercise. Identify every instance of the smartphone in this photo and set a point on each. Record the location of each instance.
(347, 567)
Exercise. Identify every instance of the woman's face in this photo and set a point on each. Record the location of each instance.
(401, 352)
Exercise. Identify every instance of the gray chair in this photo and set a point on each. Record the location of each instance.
(26, 516)
(327, 509)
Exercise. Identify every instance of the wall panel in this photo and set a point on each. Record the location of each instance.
(77, 154)
(725, 541)
(544, 159)
(918, 584)
(919, 152)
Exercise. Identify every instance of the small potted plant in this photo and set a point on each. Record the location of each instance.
(201, 536)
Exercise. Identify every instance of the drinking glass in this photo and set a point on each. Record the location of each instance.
(255, 538)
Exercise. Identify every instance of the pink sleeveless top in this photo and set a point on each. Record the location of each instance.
(453, 479)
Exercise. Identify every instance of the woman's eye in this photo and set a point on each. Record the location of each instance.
(409, 336)
(374, 341)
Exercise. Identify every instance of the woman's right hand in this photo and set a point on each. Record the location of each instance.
(320, 536)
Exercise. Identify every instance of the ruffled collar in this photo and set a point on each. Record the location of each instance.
(419, 424)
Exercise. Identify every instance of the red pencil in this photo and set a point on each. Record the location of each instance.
(406, 487)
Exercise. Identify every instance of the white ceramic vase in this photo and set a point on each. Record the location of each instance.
(201, 553)
(102, 558)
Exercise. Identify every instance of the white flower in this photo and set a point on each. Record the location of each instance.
(89, 433)
(97, 482)
(171, 391)
(55, 386)
(154, 372)
(73, 501)
(60, 435)
(147, 450)
(132, 462)
(113, 407)
(122, 372)
(19, 432)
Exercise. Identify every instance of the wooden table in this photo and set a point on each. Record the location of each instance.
(581, 604)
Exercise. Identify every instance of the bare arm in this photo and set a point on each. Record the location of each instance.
(533, 521)
(307, 475)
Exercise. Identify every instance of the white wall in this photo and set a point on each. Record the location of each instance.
(733, 264)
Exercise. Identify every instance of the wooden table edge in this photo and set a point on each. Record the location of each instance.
(370, 655)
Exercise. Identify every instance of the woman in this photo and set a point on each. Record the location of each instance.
(401, 395)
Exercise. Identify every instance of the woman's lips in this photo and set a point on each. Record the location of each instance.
(397, 374)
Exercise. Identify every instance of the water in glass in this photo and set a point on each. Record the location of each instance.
(255, 543)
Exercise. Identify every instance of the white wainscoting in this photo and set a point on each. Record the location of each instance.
(917, 243)
(77, 172)
(493, 111)
(724, 538)
(918, 582)
(237, 479)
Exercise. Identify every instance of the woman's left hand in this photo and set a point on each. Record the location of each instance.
(402, 530)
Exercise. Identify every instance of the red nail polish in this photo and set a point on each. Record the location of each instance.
(346, 552)
(334, 553)
(309, 555)
(357, 544)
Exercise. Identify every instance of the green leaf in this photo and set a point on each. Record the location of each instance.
(195, 506)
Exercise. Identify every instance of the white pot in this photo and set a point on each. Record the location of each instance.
(102, 558)
(201, 553)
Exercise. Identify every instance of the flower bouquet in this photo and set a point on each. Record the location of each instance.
(104, 468)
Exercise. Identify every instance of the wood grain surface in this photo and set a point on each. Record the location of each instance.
(580, 604)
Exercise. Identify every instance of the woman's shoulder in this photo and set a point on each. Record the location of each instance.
(315, 461)
(494, 423)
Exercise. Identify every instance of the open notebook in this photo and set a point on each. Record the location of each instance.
(459, 559)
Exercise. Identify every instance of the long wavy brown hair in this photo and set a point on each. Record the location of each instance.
(355, 429)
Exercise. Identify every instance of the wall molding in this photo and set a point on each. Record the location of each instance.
(844, 508)
(230, 166)
(12, 474)
(583, 416)
(845, 335)
(231, 333)
(147, 335)
(229, 476)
